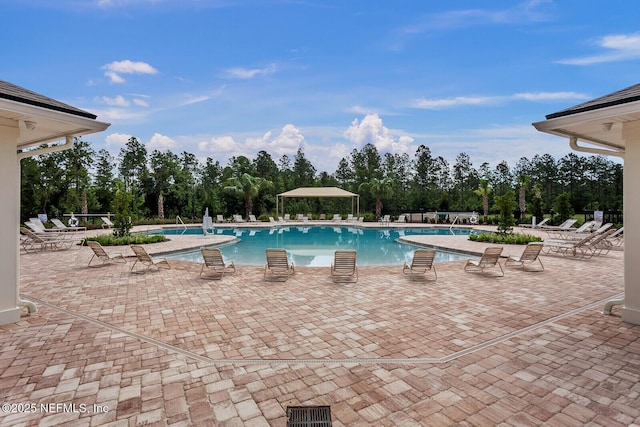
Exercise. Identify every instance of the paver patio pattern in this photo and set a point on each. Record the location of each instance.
(168, 348)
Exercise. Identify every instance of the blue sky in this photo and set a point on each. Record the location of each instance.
(221, 78)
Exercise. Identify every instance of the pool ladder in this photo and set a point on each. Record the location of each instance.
(452, 224)
(181, 222)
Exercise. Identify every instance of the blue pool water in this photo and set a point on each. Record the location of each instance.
(314, 246)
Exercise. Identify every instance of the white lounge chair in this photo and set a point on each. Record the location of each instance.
(53, 241)
(60, 226)
(538, 225)
(106, 222)
(590, 245)
(584, 228)
(567, 225)
(401, 219)
(252, 218)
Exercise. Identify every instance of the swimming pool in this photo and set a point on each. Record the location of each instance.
(314, 246)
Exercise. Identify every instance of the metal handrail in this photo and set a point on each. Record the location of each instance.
(181, 221)
(452, 224)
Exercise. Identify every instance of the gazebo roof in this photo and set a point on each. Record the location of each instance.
(318, 192)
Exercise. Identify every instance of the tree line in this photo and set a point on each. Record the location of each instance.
(162, 184)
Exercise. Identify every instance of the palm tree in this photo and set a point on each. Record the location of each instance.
(523, 181)
(246, 187)
(484, 191)
(379, 188)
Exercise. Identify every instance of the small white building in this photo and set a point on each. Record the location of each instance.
(27, 120)
(610, 125)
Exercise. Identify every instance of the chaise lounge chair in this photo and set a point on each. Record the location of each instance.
(559, 234)
(213, 260)
(344, 268)
(144, 258)
(106, 222)
(421, 263)
(530, 255)
(53, 241)
(490, 258)
(278, 264)
(617, 237)
(102, 255)
(590, 245)
(60, 226)
(538, 225)
(565, 226)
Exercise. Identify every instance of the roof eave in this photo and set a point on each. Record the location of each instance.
(581, 125)
(74, 125)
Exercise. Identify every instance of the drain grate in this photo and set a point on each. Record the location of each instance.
(309, 416)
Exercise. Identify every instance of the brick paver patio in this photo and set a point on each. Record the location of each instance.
(166, 348)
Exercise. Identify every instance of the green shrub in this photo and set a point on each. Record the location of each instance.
(513, 238)
(132, 239)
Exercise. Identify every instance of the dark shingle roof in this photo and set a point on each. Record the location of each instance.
(624, 96)
(22, 95)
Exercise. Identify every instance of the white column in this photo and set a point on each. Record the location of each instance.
(631, 136)
(9, 220)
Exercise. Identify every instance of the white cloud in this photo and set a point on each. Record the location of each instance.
(621, 47)
(116, 68)
(257, 144)
(223, 144)
(117, 114)
(371, 131)
(438, 104)
(250, 73)
(117, 140)
(195, 100)
(549, 96)
(161, 143)
(528, 11)
(140, 102)
(357, 109)
(119, 100)
(289, 140)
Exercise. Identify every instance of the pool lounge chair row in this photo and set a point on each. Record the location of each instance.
(589, 245)
(343, 269)
(32, 241)
(491, 259)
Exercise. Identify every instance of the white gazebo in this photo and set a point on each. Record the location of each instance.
(610, 125)
(319, 192)
(27, 120)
